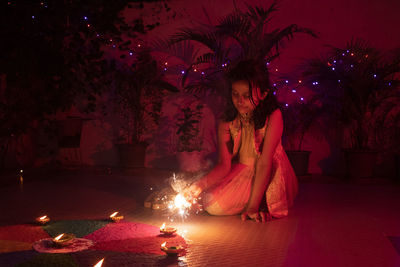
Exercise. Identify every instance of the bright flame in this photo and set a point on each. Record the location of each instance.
(162, 226)
(99, 263)
(163, 244)
(180, 202)
(58, 237)
(43, 217)
(115, 213)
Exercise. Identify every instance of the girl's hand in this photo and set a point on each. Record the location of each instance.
(258, 216)
(192, 191)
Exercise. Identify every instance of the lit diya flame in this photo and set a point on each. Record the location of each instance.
(116, 218)
(99, 263)
(172, 251)
(167, 230)
(58, 237)
(63, 239)
(44, 219)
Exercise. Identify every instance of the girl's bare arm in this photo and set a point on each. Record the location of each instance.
(262, 177)
(223, 166)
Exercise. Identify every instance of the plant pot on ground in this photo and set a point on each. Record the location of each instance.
(132, 155)
(359, 163)
(299, 117)
(139, 91)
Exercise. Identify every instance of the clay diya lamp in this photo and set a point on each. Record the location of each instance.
(167, 230)
(116, 218)
(43, 219)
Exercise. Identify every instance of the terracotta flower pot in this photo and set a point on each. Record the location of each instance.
(132, 155)
(360, 164)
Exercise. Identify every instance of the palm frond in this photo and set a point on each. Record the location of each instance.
(206, 38)
(260, 16)
(259, 13)
(234, 25)
(185, 50)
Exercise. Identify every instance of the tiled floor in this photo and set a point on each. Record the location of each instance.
(333, 223)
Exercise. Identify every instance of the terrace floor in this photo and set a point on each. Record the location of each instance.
(333, 222)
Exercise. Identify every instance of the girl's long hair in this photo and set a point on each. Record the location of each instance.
(256, 75)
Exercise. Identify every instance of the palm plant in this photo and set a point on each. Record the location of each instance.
(357, 86)
(238, 35)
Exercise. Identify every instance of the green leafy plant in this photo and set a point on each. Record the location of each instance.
(188, 128)
(357, 85)
(138, 92)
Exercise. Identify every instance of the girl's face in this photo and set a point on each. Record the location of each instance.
(241, 97)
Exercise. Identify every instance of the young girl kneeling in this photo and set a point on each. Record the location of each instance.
(253, 176)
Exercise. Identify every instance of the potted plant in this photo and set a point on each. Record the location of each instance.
(387, 138)
(138, 94)
(299, 117)
(189, 143)
(353, 85)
